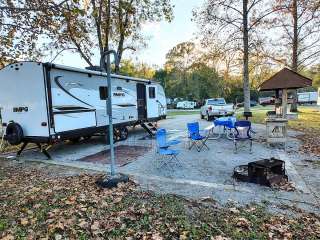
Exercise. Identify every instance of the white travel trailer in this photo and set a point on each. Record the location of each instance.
(47, 103)
(186, 105)
(308, 97)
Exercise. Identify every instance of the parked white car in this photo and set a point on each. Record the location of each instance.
(216, 107)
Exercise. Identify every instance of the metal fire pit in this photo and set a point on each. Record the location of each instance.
(267, 172)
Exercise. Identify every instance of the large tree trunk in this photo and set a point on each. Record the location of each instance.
(295, 42)
(246, 82)
(119, 54)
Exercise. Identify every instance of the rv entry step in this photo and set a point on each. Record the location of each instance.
(150, 128)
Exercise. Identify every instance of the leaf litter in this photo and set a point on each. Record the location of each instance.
(36, 204)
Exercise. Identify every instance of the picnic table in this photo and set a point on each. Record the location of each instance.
(223, 125)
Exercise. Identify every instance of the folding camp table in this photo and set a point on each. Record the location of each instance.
(224, 125)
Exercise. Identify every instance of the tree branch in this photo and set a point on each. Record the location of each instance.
(262, 17)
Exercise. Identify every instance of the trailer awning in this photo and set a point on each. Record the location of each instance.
(285, 79)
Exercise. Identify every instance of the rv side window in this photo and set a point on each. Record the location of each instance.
(152, 92)
(103, 93)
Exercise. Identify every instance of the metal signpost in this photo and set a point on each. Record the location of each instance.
(114, 179)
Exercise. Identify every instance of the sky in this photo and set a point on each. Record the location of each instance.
(163, 36)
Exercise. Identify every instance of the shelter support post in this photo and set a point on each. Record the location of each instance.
(284, 103)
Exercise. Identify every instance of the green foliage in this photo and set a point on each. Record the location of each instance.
(20, 31)
(314, 73)
(179, 113)
(207, 82)
(3, 224)
(139, 70)
(188, 76)
(78, 25)
(197, 83)
(161, 75)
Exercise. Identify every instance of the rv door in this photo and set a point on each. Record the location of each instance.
(152, 103)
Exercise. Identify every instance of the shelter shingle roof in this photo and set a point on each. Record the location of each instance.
(285, 79)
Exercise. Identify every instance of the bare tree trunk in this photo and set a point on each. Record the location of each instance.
(295, 42)
(119, 53)
(246, 82)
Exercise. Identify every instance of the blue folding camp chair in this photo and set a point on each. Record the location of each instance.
(242, 133)
(162, 142)
(195, 138)
(166, 157)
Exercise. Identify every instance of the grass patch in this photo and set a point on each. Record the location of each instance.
(3, 224)
(179, 113)
(308, 117)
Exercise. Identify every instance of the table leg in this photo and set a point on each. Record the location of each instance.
(230, 133)
(211, 134)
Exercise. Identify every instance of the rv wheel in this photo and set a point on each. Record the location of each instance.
(116, 135)
(124, 133)
(14, 133)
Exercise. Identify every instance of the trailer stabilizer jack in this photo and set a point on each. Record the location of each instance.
(41, 148)
(22, 148)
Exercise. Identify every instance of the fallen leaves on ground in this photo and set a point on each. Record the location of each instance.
(37, 204)
(310, 141)
(284, 185)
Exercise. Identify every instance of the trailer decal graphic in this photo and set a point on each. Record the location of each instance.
(20, 109)
(56, 80)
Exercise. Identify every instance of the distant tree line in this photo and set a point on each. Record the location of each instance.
(239, 43)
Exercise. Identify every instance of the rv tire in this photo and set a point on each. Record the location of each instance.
(124, 133)
(14, 133)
